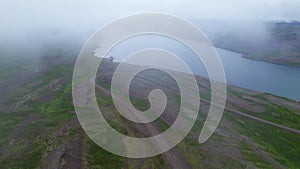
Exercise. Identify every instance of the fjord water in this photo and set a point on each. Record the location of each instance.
(261, 76)
(255, 75)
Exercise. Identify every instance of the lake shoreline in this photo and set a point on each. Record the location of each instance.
(266, 60)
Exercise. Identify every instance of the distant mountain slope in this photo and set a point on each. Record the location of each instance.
(275, 42)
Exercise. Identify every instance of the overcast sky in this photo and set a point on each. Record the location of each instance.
(20, 15)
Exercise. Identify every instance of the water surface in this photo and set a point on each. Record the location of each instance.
(255, 75)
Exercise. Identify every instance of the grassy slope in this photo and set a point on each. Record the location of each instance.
(279, 145)
(26, 135)
(28, 144)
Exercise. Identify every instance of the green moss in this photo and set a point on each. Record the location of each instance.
(8, 122)
(96, 157)
(60, 107)
(253, 157)
(33, 157)
(229, 163)
(140, 104)
(163, 125)
(282, 145)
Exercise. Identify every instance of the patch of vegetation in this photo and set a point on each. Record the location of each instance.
(282, 145)
(229, 163)
(252, 156)
(163, 125)
(33, 157)
(273, 112)
(23, 157)
(95, 157)
(189, 147)
(26, 153)
(8, 122)
(60, 107)
(140, 104)
(277, 114)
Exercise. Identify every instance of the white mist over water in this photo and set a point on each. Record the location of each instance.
(260, 76)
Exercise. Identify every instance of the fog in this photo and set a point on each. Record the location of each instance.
(33, 24)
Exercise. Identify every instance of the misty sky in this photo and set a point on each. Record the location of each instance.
(19, 16)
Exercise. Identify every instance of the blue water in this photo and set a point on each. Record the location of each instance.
(255, 75)
(261, 76)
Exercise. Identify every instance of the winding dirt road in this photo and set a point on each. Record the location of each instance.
(235, 111)
(173, 157)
